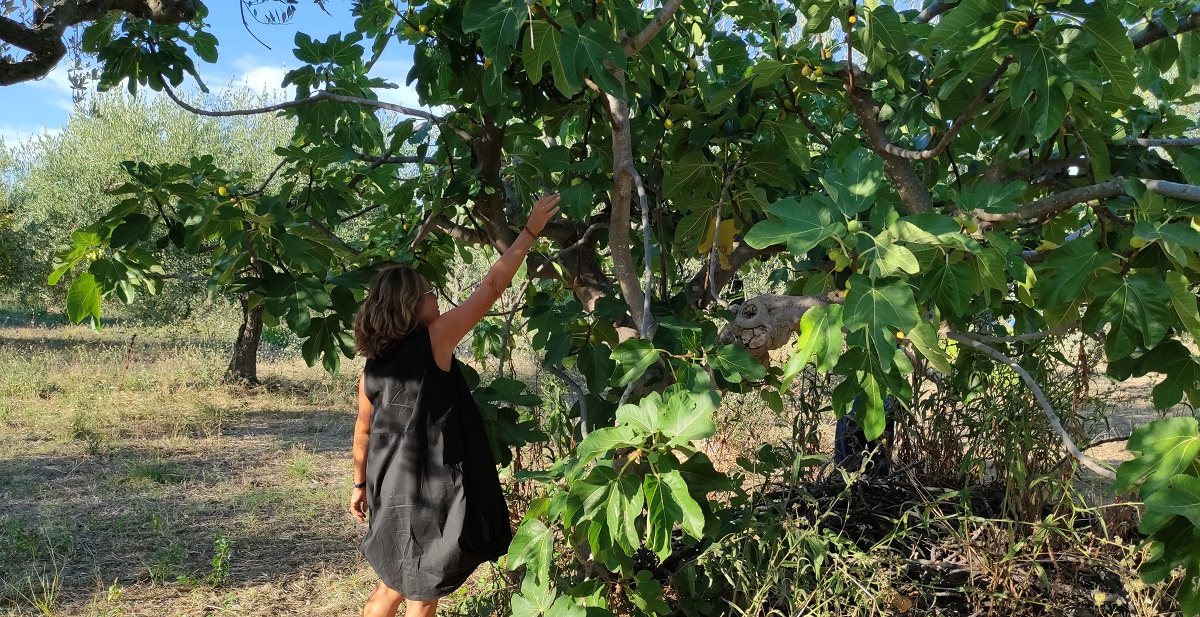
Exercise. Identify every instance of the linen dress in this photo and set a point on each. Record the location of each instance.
(436, 507)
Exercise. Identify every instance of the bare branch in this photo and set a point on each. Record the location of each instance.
(1067, 442)
(634, 43)
(766, 322)
(1175, 142)
(899, 169)
(648, 325)
(461, 233)
(742, 253)
(1032, 336)
(1054, 204)
(1174, 190)
(618, 227)
(1157, 30)
(332, 236)
(321, 95)
(937, 7)
(397, 160)
(580, 395)
(881, 142)
(713, 290)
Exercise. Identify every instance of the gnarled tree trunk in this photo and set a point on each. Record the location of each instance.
(243, 364)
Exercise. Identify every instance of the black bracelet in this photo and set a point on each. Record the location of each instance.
(525, 228)
(359, 485)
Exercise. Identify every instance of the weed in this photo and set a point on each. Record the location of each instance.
(303, 464)
(44, 588)
(168, 559)
(222, 554)
(158, 472)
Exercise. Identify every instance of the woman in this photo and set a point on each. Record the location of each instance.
(423, 466)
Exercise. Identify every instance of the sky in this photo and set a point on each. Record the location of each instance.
(35, 107)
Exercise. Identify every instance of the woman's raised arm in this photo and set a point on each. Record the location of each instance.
(447, 330)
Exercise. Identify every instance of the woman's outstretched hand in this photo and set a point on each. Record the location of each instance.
(543, 211)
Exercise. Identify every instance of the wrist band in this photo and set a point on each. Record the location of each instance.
(359, 485)
(531, 234)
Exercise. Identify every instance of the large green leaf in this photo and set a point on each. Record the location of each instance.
(820, 335)
(1114, 49)
(950, 285)
(1181, 496)
(498, 23)
(853, 186)
(1039, 88)
(294, 297)
(925, 339)
(888, 258)
(584, 52)
(595, 362)
(545, 45)
(83, 300)
(1184, 301)
(1178, 240)
(1137, 308)
(668, 503)
(801, 225)
(687, 416)
(735, 364)
(633, 356)
(602, 441)
(532, 546)
(880, 309)
(1165, 448)
(1068, 268)
(624, 509)
(969, 20)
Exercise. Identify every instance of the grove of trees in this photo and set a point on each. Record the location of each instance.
(938, 187)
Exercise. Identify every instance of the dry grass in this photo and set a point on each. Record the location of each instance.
(122, 493)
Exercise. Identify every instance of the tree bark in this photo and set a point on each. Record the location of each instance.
(243, 364)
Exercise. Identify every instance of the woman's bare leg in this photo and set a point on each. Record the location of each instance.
(418, 608)
(383, 602)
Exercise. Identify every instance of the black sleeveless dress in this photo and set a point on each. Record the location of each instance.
(436, 507)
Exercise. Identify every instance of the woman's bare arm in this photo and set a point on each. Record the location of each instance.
(447, 330)
(362, 437)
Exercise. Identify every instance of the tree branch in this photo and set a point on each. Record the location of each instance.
(1032, 336)
(397, 160)
(1067, 442)
(618, 227)
(742, 253)
(43, 38)
(321, 95)
(634, 43)
(899, 170)
(1174, 142)
(580, 395)
(648, 326)
(325, 231)
(937, 7)
(1157, 30)
(461, 233)
(881, 142)
(1052, 205)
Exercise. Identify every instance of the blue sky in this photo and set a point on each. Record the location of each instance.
(34, 107)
